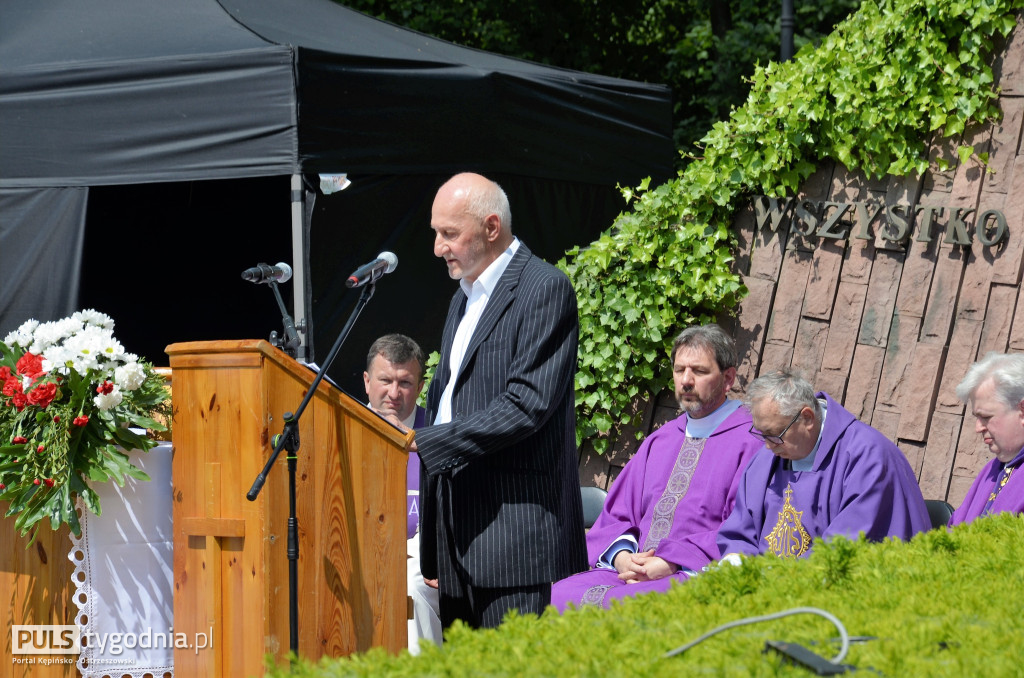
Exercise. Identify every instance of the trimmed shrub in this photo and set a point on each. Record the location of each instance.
(943, 604)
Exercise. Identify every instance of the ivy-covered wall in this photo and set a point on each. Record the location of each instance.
(890, 327)
(910, 103)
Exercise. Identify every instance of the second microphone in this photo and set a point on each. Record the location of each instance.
(386, 262)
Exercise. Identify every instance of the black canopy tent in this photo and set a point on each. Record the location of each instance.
(154, 146)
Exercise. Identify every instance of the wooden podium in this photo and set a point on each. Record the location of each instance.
(230, 559)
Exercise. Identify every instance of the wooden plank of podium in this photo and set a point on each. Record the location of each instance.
(230, 561)
(35, 588)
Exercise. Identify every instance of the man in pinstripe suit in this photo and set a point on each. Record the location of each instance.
(501, 516)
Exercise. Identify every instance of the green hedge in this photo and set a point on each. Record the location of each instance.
(943, 604)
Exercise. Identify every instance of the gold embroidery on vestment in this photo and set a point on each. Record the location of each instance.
(1002, 483)
(788, 539)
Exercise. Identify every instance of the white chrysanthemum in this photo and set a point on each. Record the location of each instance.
(88, 348)
(113, 350)
(93, 317)
(83, 362)
(69, 327)
(53, 333)
(130, 376)
(23, 335)
(59, 358)
(106, 401)
(99, 341)
(45, 336)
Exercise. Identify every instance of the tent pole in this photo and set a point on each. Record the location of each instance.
(299, 265)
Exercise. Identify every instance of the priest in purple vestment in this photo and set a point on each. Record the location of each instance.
(663, 511)
(822, 473)
(994, 389)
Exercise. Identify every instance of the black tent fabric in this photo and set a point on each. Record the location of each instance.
(34, 264)
(120, 93)
(129, 91)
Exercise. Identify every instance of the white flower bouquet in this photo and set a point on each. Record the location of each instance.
(70, 398)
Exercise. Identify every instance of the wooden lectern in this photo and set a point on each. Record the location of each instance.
(230, 560)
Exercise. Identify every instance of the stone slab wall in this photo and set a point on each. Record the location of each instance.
(886, 328)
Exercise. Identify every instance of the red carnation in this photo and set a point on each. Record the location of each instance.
(49, 482)
(80, 420)
(56, 418)
(43, 394)
(30, 365)
(5, 373)
(40, 449)
(20, 440)
(19, 400)
(105, 388)
(36, 481)
(12, 385)
(2, 486)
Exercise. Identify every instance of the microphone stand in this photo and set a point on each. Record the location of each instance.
(290, 342)
(288, 439)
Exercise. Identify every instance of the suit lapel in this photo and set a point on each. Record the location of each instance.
(443, 372)
(503, 296)
(455, 312)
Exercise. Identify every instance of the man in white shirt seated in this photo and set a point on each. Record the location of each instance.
(393, 381)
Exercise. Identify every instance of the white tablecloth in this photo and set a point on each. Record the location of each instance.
(124, 574)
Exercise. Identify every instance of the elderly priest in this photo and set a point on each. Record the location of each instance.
(822, 473)
(994, 388)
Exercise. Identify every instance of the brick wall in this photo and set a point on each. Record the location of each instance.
(887, 329)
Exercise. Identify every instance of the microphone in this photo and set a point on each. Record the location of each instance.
(373, 271)
(262, 273)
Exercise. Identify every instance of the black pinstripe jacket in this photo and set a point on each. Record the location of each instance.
(505, 467)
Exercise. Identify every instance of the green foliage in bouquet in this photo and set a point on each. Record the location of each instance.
(72, 401)
(945, 604)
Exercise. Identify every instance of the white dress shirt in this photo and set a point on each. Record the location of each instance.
(477, 294)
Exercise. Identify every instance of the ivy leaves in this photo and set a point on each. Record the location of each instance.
(871, 96)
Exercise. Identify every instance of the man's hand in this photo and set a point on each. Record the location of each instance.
(393, 419)
(432, 583)
(634, 568)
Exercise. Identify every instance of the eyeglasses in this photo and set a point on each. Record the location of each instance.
(774, 439)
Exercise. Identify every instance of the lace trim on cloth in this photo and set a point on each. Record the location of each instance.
(677, 487)
(124, 575)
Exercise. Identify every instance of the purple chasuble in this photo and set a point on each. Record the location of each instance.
(412, 482)
(860, 482)
(671, 496)
(998, 488)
